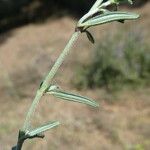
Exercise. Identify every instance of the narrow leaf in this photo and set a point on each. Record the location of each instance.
(90, 37)
(73, 97)
(109, 17)
(43, 128)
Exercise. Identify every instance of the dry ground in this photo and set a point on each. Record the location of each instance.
(26, 54)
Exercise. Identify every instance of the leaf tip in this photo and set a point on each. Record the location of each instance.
(136, 16)
(95, 104)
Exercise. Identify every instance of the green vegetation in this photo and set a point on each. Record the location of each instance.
(120, 59)
(97, 15)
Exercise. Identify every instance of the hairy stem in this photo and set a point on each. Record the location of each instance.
(48, 79)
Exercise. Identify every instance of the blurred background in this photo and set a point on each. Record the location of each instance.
(115, 72)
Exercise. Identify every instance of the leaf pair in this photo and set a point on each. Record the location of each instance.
(71, 97)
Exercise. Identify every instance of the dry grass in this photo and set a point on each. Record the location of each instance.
(28, 53)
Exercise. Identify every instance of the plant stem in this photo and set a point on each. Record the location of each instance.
(19, 145)
(97, 3)
(47, 80)
(88, 15)
(51, 74)
(94, 9)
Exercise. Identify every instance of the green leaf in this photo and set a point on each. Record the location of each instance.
(115, 9)
(72, 97)
(43, 128)
(109, 17)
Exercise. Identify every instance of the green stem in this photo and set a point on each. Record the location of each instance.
(94, 9)
(97, 3)
(48, 79)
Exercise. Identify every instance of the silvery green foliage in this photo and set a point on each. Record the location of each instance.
(98, 14)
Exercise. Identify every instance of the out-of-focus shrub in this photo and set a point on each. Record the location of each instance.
(119, 59)
(137, 3)
(11, 6)
(8, 7)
